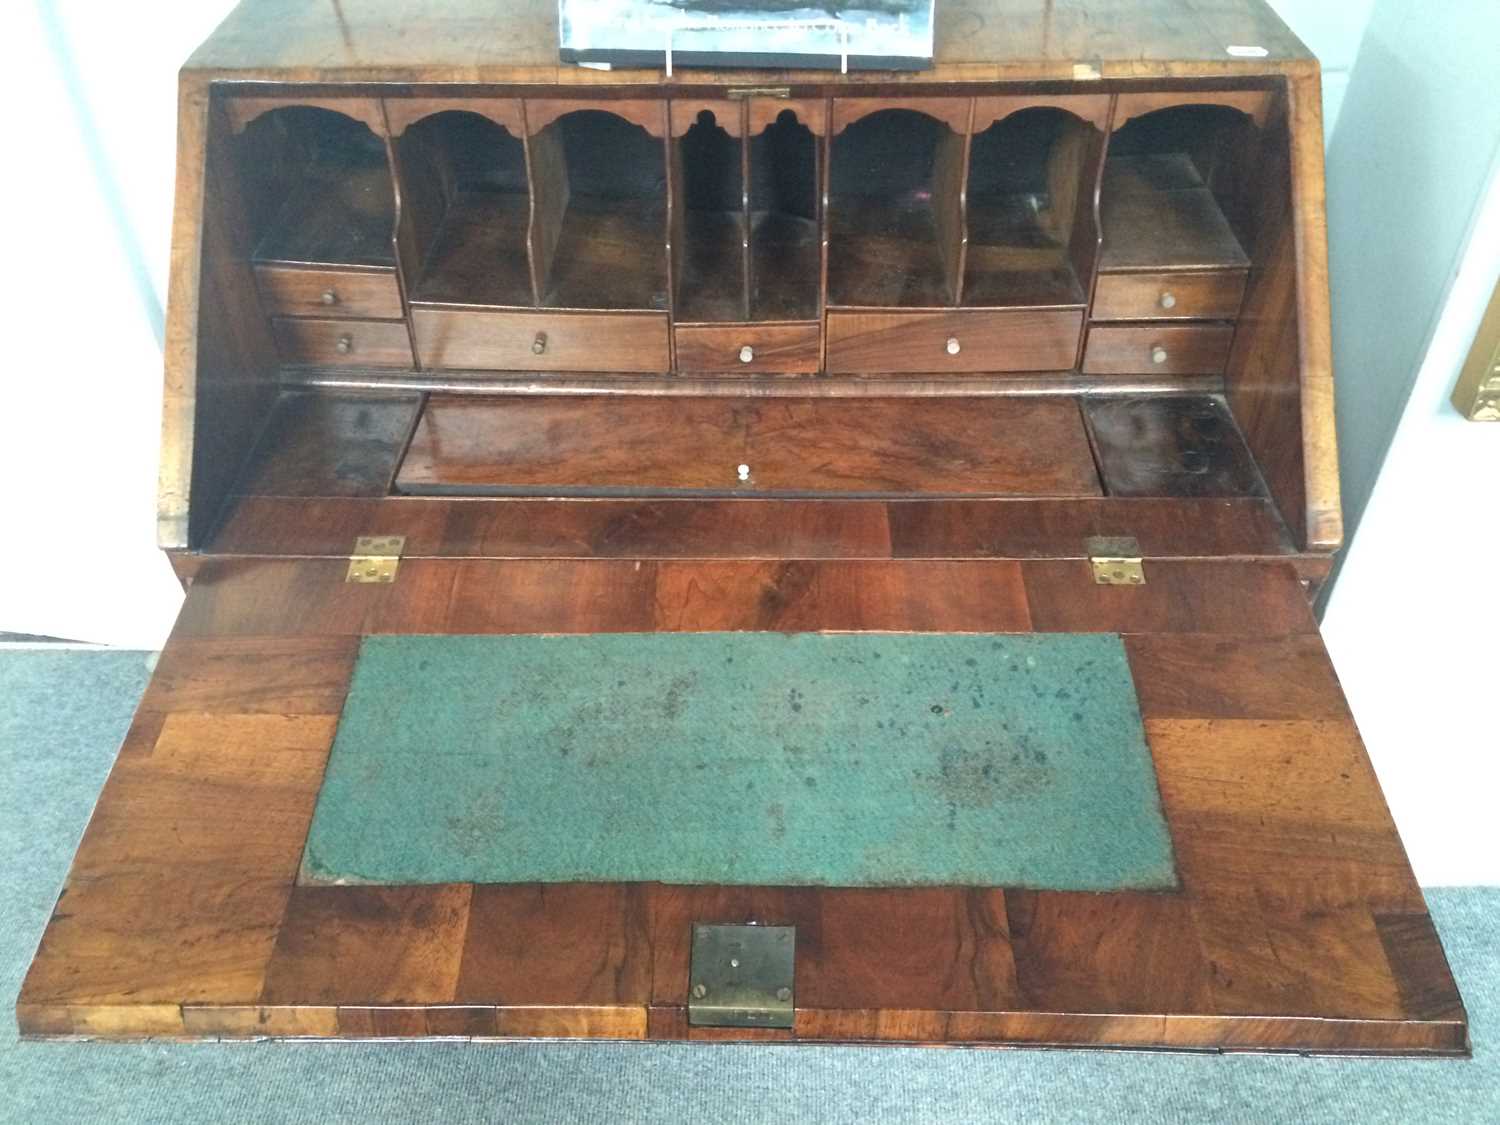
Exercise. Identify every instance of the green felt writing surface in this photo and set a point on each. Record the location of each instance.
(754, 758)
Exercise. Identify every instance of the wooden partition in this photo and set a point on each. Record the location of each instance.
(599, 181)
(465, 201)
(710, 240)
(1031, 229)
(785, 154)
(895, 202)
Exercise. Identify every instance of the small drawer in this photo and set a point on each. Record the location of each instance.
(343, 343)
(459, 339)
(285, 291)
(1157, 349)
(734, 349)
(960, 340)
(1169, 296)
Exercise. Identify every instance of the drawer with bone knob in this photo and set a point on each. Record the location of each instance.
(959, 340)
(749, 349)
(458, 339)
(360, 294)
(1157, 349)
(342, 343)
(1169, 295)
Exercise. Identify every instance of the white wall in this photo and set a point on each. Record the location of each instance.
(1332, 30)
(1413, 621)
(88, 209)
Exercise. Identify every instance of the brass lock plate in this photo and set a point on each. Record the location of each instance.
(742, 976)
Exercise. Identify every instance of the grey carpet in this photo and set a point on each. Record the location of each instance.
(62, 714)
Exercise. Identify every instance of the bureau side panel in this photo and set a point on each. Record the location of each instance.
(1279, 378)
(220, 364)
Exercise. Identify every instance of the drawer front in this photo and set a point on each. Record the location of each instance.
(459, 339)
(963, 341)
(329, 293)
(343, 343)
(1169, 296)
(1157, 349)
(748, 349)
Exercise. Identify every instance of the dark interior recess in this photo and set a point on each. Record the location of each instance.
(602, 201)
(465, 195)
(355, 443)
(1032, 238)
(893, 211)
(1170, 445)
(347, 443)
(784, 245)
(318, 189)
(711, 282)
(1176, 190)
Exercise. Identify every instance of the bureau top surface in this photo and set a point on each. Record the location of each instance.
(517, 41)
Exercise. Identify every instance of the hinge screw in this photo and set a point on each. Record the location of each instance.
(700, 991)
(783, 994)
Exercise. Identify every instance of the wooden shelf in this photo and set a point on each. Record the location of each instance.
(478, 254)
(785, 162)
(1031, 234)
(885, 253)
(709, 225)
(342, 219)
(712, 282)
(786, 255)
(894, 221)
(1158, 213)
(466, 210)
(599, 229)
(317, 188)
(1014, 259)
(611, 254)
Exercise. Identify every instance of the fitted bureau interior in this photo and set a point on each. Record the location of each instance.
(1007, 294)
(915, 236)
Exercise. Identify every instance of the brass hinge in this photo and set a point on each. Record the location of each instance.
(742, 976)
(1116, 561)
(375, 558)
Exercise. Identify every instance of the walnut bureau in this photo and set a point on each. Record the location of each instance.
(465, 341)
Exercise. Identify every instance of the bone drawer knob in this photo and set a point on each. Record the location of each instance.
(1158, 354)
(329, 297)
(345, 345)
(747, 354)
(1167, 300)
(539, 345)
(951, 347)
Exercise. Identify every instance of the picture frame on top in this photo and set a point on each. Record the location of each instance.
(835, 35)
